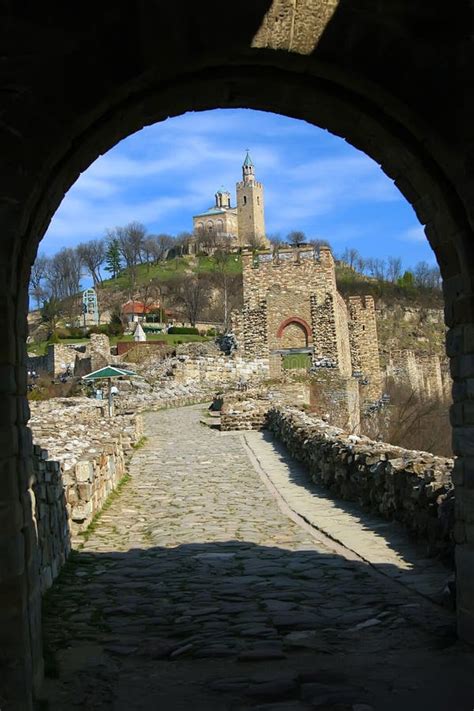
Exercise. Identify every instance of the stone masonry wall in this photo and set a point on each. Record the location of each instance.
(79, 458)
(51, 516)
(412, 487)
(248, 410)
(323, 318)
(425, 374)
(220, 370)
(364, 345)
(254, 331)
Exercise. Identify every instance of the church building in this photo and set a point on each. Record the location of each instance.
(242, 225)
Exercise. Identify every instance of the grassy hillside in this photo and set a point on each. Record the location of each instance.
(407, 316)
(171, 268)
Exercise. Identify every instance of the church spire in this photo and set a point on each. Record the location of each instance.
(248, 170)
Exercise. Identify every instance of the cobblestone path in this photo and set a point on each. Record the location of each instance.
(195, 591)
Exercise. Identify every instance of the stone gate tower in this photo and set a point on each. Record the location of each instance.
(250, 208)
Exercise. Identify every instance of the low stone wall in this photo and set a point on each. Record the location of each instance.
(244, 413)
(78, 459)
(247, 409)
(412, 487)
(51, 516)
(126, 346)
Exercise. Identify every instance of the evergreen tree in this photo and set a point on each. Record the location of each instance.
(115, 324)
(113, 258)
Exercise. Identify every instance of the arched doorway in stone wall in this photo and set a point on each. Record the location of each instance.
(77, 87)
(294, 332)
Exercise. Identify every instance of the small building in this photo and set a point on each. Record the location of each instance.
(134, 311)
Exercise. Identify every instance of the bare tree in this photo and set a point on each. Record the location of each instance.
(192, 292)
(92, 256)
(296, 238)
(130, 240)
(63, 273)
(412, 421)
(38, 274)
(350, 256)
(317, 243)
(255, 242)
(276, 241)
(224, 281)
(427, 276)
(158, 246)
(394, 269)
(184, 241)
(376, 268)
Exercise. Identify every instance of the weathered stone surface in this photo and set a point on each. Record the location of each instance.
(410, 486)
(84, 461)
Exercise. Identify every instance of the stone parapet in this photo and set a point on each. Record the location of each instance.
(412, 487)
(80, 457)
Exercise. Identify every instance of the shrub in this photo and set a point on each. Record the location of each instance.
(76, 332)
(211, 332)
(62, 333)
(115, 325)
(99, 329)
(182, 330)
(54, 337)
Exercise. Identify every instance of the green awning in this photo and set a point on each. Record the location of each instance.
(109, 371)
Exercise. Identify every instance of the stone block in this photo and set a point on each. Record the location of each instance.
(84, 471)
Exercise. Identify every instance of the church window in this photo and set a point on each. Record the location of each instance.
(245, 200)
(258, 200)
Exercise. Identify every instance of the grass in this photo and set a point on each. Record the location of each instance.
(296, 361)
(164, 271)
(41, 347)
(141, 443)
(169, 269)
(172, 339)
(92, 527)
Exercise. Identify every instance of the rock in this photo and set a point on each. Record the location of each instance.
(272, 689)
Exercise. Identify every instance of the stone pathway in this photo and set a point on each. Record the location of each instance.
(195, 591)
(383, 544)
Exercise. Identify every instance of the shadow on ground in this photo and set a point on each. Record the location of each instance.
(396, 537)
(235, 625)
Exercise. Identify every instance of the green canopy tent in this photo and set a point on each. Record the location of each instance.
(107, 373)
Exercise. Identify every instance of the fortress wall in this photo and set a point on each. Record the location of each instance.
(425, 374)
(412, 487)
(364, 344)
(325, 337)
(342, 336)
(302, 271)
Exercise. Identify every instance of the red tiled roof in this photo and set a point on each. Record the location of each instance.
(138, 308)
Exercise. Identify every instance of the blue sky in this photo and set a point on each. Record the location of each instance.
(313, 182)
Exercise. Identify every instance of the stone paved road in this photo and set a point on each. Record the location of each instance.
(195, 591)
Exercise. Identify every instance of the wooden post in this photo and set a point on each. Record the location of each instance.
(110, 397)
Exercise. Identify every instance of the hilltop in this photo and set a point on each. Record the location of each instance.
(408, 316)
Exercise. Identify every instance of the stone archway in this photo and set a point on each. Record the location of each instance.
(87, 84)
(294, 332)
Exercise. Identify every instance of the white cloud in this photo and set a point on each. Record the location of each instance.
(167, 172)
(414, 234)
(77, 218)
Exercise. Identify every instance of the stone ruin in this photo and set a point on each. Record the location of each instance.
(292, 308)
(83, 357)
(79, 457)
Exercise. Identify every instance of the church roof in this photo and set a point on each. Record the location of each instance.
(216, 211)
(248, 161)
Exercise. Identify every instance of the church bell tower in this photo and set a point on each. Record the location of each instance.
(250, 208)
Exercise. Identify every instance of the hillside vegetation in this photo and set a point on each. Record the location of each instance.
(207, 288)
